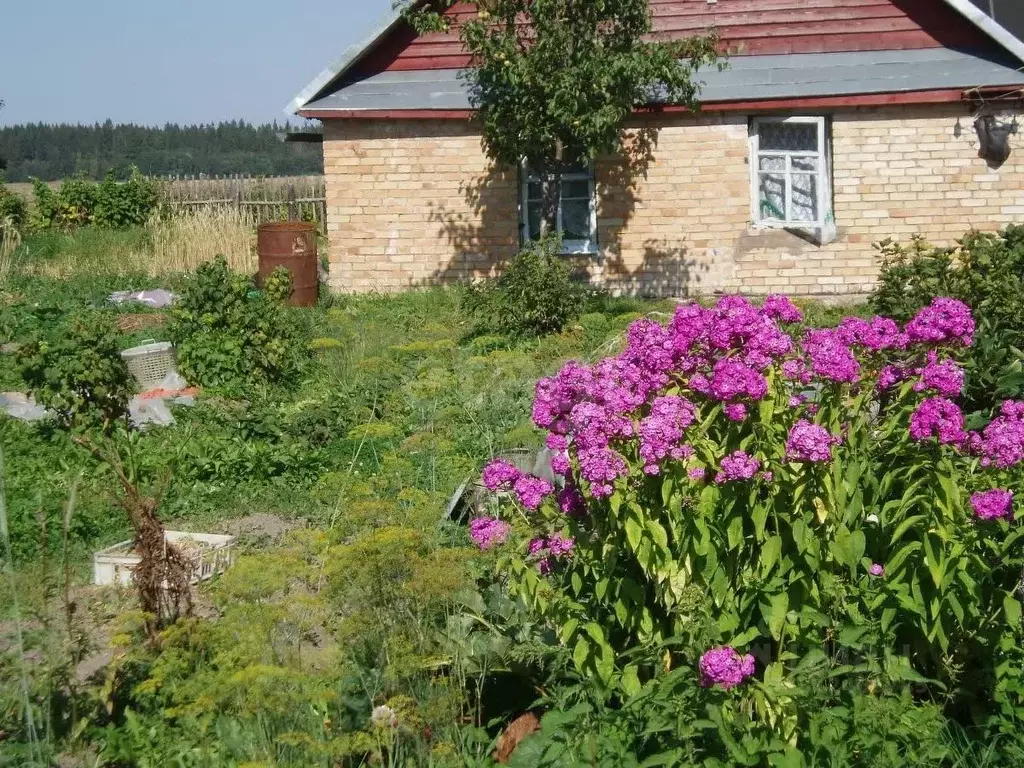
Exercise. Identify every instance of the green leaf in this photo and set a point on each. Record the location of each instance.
(631, 681)
(633, 533)
(775, 613)
(770, 553)
(1012, 609)
(581, 653)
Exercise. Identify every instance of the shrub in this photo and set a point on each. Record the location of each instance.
(12, 207)
(230, 336)
(124, 204)
(732, 482)
(81, 375)
(111, 204)
(534, 296)
(986, 272)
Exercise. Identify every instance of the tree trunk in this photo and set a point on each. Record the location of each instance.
(551, 192)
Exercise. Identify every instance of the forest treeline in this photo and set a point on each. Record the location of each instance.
(53, 152)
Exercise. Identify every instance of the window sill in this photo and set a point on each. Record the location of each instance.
(815, 233)
(581, 249)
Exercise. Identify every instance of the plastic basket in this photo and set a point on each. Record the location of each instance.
(150, 362)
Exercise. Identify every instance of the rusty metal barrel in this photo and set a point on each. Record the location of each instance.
(290, 244)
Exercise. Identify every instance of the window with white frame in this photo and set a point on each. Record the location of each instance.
(577, 209)
(790, 173)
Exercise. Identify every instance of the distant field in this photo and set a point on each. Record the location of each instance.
(252, 188)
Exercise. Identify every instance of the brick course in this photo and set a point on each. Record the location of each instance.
(413, 203)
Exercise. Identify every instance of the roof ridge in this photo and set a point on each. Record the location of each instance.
(989, 26)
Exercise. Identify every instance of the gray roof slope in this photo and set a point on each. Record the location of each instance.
(747, 78)
(315, 94)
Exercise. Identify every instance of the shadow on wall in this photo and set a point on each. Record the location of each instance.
(663, 269)
(483, 230)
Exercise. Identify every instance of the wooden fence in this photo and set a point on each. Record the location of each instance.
(294, 198)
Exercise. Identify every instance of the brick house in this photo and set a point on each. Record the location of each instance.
(837, 123)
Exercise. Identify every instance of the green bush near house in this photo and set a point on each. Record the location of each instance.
(534, 296)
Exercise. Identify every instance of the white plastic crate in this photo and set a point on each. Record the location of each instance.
(215, 554)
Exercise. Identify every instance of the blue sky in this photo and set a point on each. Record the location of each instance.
(154, 62)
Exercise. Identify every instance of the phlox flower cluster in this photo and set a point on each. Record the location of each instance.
(737, 466)
(809, 443)
(725, 668)
(1001, 444)
(993, 505)
(941, 418)
(944, 321)
(944, 377)
(488, 532)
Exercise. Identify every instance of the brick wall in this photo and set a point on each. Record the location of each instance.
(414, 203)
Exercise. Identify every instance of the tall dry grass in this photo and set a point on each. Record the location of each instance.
(167, 244)
(10, 239)
(182, 242)
(252, 188)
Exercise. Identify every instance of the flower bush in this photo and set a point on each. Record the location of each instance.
(816, 492)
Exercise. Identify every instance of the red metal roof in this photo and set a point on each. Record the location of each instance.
(745, 27)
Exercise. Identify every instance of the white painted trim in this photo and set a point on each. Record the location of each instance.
(989, 26)
(351, 55)
(824, 173)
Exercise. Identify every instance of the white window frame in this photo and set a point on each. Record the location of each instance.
(587, 246)
(824, 155)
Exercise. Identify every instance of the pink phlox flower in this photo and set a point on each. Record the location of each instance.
(561, 546)
(1002, 442)
(500, 474)
(993, 505)
(724, 668)
(737, 466)
(732, 380)
(830, 357)
(531, 491)
(571, 501)
(781, 308)
(662, 430)
(945, 377)
(601, 467)
(941, 418)
(944, 321)
(735, 411)
(877, 569)
(488, 532)
(809, 442)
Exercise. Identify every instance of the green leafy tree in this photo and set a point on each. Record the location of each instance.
(554, 82)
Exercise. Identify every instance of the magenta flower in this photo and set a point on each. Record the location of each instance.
(737, 466)
(993, 505)
(561, 546)
(831, 358)
(944, 321)
(696, 473)
(488, 532)
(809, 442)
(732, 380)
(889, 376)
(941, 418)
(571, 501)
(735, 411)
(877, 569)
(781, 308)
(560, 464)
(946, 378)
(1002, 442)
(767, 476)
(724, 668)
(536, 546)
(531, 491)
(500, 474)
(600, 468)
(662, 431)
